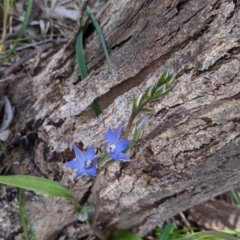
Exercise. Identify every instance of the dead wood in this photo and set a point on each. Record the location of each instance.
(190, 151)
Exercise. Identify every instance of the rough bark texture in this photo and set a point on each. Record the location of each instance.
(189, 153)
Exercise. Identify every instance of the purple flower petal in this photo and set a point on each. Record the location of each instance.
(109, 135)
(117, 132)
(80, 173)
(95, 161)
(107, 146)
(83, 159)
(89, 155)
(92, 171)
(121, 145)
(79, 154)
(118, 156)
(75, 164)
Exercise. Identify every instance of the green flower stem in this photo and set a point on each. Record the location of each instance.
(133, 116)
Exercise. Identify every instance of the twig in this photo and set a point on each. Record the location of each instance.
(185, 221)
(8, 36)
(29, 55)
(12, 77)
(34, 44)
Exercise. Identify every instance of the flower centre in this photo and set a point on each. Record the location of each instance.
(88, 163)
(112, 147)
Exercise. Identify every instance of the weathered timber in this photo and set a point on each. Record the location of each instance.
(189, 153)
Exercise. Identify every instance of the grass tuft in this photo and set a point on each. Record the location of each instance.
(22, 30)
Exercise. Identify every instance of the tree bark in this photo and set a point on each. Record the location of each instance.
(190, 151)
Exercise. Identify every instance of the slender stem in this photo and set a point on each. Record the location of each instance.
(130, 122)
(132, 117)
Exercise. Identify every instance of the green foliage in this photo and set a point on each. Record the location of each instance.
(24, 218)
(170, 233)
(167, 230)
(41, 185)
(83, 67)
(137, 134)
(154, 92)
(213, 235)
(141, 124)
(22, 214)
(235, 195)
(83, 215)
(101, 37)
(80, 53)
(22, 30)
(122, 234)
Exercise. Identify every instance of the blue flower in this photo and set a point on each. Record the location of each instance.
(114, 146)
(85, 163)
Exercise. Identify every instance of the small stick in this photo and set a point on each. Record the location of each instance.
(29, 55)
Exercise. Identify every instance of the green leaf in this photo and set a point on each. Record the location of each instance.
(80, 55)
(235, 195)
(150, 91)
(22, 214)
(104, 158)
(83, 67)
(24, 218)
(170, 80)
(22, 30)
(87, 209)
(162, 79)
(14, 6)
(160, 95)
(214, 235)
(168, 228)
(142, 123)
(41, 185)
(147, 110)
(137, 134)
(137, 101)
(101, 37)
(122, 234)
(161, 89)
(134, 104)
(96, 108)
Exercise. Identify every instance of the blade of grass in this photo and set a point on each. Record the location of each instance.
(80, 55)
(29, 222)
(83, 67)
(235, 196)
(14, 6)
(166, 231)
(96, 108)
(216, 234)
(6, 4)
(100, 35)
(233, 232)
(22, 214)
(41, 185)
(22, 30)
(207, 235)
